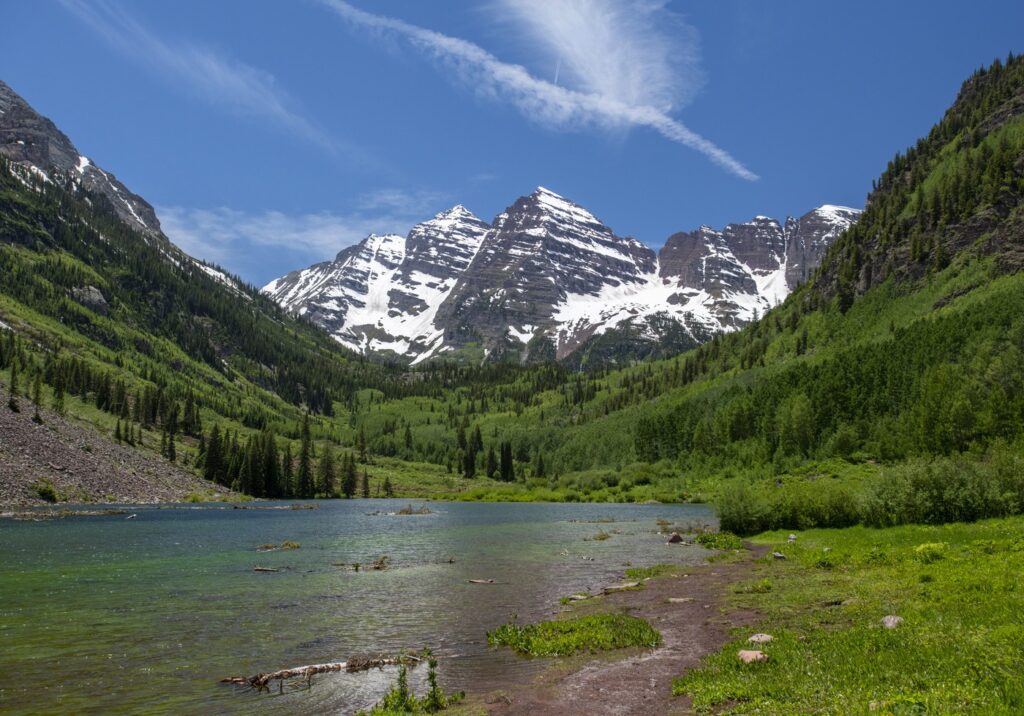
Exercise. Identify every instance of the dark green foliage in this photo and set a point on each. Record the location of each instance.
(922, 491)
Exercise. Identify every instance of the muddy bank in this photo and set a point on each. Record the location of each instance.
(694, 623)
(83, 465)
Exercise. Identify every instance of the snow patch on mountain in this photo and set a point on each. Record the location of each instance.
(548, 267)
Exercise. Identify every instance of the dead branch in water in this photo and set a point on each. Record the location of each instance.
(260, 682)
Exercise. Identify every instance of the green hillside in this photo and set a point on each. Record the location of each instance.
(903, 356)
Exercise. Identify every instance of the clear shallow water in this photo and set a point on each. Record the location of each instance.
(104, 614)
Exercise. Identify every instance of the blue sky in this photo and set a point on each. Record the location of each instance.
(270, 134)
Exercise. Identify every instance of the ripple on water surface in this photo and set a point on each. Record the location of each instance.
(147, 614)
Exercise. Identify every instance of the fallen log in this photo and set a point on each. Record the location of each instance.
(264, 569)
(481, 581)
(260, 682)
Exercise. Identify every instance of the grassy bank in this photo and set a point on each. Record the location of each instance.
(959, 648)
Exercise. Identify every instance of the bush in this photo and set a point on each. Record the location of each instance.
(45, 490)
(719, 540)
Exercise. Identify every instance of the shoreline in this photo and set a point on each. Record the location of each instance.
(696, 624)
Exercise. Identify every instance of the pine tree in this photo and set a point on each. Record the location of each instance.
(58, 391)
(388, 490)
(506, 470)
(287, 472)
(326, 474)
(304, 478)
(37, 398)
(366, 483)
(12, 401)
(349, 477)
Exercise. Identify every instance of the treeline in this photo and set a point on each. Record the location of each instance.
(260, 467)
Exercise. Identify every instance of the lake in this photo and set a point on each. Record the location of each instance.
(106, 614)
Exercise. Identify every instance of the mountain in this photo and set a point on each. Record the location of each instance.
(547, 278)
(31, 140)
(120, 327)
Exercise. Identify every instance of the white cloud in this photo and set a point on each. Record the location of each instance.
(634, 51)
(220, 80)
(237, 239)
(620, 99)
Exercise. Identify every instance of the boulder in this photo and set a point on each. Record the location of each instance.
(778, 555)
(891, 621)
(760, 638)
(749, 656)
(91, 298)
(675, 538)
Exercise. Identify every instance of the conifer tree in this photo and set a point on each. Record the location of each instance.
(326, 475)
(366, 483)
(287, 472)
(349, 477)
(37, 397)
(58, 391)
(304, 478)
(491, 467)
(12, 401)
(388, 490)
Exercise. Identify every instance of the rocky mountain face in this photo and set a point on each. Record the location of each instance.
(29, 139)
(547, 279)
(33, 142)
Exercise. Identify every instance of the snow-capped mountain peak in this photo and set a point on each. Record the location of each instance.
(547, 276)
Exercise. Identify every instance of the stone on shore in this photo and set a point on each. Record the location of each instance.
(749, 656)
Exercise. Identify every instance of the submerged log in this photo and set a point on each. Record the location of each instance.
(481, 581)
(260, 682)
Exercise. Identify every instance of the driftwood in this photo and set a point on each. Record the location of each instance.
(264, 569)
(481, 581)
(260, 682)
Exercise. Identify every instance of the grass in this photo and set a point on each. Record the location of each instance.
(565, 637)
(960, 648)
(659, 570)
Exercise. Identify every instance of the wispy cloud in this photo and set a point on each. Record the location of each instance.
(241, 241)
(221, 80)
(611, 81)
(634, 51)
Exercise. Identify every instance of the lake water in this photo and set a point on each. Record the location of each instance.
(105, 614)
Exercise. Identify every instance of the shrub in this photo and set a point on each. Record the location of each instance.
(46, 491)
(719, 540)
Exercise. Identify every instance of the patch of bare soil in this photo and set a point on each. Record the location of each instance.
(695, 623)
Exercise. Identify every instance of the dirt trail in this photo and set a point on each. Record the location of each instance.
(642, 684)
